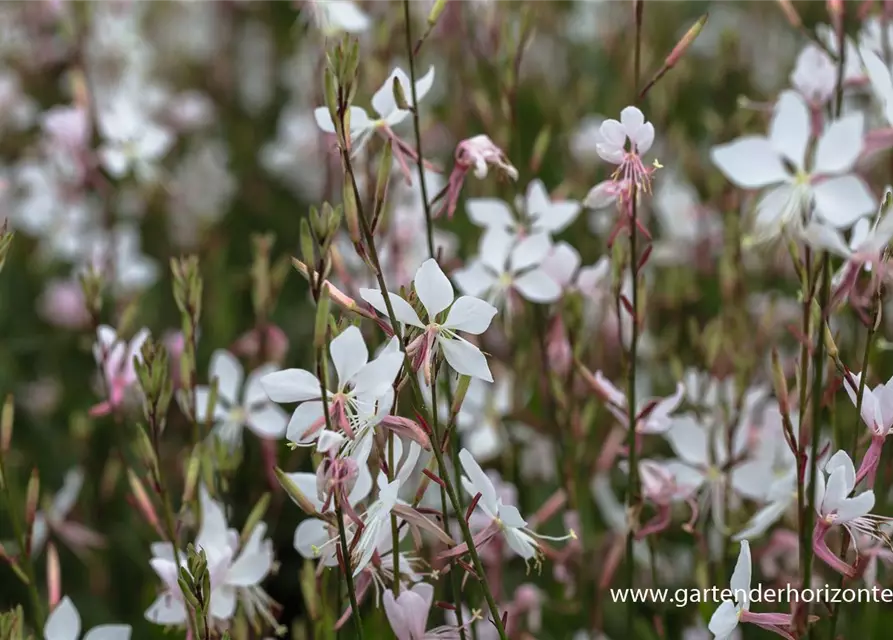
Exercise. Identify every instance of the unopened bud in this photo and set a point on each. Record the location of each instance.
(351, 211)
(790, 13)
(400, 95)
(336, 474)
(459, 396)
(32, 500)
(321, 326)
(830, 345)
(294, 492)
(686, 41)
(7, 416)
(141, 498)
(54, 576)
(540, 146)
(256, 516)
(780, 382)
(308, 250)
(436, 10)
(5, 243)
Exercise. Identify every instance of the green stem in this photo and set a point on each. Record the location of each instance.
(420, 162)
(438, 454)
(27, 561)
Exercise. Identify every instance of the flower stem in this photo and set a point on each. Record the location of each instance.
(420, 162)
(14, 508)
(632, 495)
(438, 454)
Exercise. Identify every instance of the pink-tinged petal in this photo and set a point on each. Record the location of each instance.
(613, 134)
(840, 145)
(842, 200)
(470, 315)
(402, 309)
(291, 385)
(489, 212)
(433, 288)
(632, 120)
(396, 617)
(644, 138)
(790, 127)
(349, 354)
(749, 162)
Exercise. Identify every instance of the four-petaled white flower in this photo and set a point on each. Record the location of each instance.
(838, 195)
(467, 314)
(362, 398)
(833, 504)
(236, 408)
(814, 75)
(132, 141)
(542, 214)
(507, 263)
(64, 623)
(385, 106)
(613, 147)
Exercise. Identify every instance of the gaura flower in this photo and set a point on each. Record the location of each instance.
(64, 623)
(478, 153)
(236, 408)
(408, 614)
(725, 619)
(115, 359)
(830, 186)
(624, 143)
(467, 314)
(362, 398)
(541, 213)
(335, 16)
(236, 573)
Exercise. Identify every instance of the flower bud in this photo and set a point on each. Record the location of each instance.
(6, 419)
(400, 95)
(294, 492)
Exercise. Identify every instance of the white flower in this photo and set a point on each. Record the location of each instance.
(132, 141)
(117, 254)
(881, 82)
(877, 405)
(542, 214)
(753, 162)
(376, 525)
(613, 148)
(237, 408)
(480, 417)
(814, 75)
(335, 16)
(466, 313)
(506, 263)
(64, 623)
(389, 115)
(726, 617)
(115, 359)
(363, 395)
(508, 518)
(833, 503)
(236, 574)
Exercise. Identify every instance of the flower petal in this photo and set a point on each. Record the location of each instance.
(349, 354)
(740, 582)
(537, 286)
(856, 507)
(489, 212)
(749, 162)
(433, 288)
(842, 200)
(530, 252)
(305, 416)
(632, 120)
(724, 620)
(229, 373)
(64, 623)
(109, 632)
(470, 315)
(465, 358)
(402, 309)
(291, 385)
(840, 145)
(479, 482)
(790, 126)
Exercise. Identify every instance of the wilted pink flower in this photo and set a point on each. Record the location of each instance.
(478, 153)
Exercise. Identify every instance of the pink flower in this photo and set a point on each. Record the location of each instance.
(478, 153)
(116, 362)
(62, 304)
(408, 614)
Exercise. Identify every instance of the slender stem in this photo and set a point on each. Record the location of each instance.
(27, 561)
(438, 454)
(339, 512)
(818, 365)
(420, 162)
(348, 576)
(632, 495)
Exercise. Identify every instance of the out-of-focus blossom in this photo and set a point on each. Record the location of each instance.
(64, 623)
(62, 304)
(814, 75)
(335, 16)
(132, 141)
(115, 359)
(542, 215)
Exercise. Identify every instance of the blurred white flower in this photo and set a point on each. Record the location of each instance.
(64, 623)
